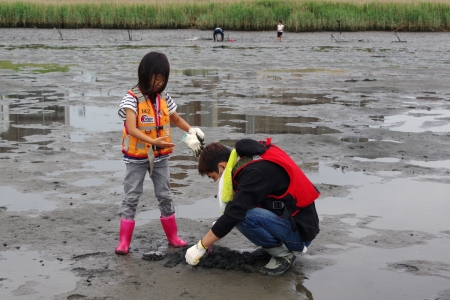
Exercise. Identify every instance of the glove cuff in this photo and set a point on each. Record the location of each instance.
(201, 244)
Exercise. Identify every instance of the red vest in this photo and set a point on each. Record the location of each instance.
(300, 188)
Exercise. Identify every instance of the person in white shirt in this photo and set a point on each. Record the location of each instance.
(280, 28)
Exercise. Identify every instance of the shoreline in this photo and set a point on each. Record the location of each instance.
(312, 16)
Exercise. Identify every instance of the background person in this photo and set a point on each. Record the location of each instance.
(218, 35)
(280, 28)
(272, 203)
(146, 145)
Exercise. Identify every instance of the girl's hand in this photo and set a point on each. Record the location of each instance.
(160, 142)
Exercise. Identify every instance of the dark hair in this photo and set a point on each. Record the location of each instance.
(152, 65)
(211, 156)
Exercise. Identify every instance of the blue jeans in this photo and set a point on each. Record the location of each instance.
(266, 229)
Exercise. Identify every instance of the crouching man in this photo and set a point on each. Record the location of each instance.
(268, 198)
(218, 34)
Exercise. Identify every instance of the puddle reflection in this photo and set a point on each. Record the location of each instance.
(355, 103)
(229, 143)
(299, 99)
(210, 114)
(7, 149)
(431, 164)
(378, 159)
(14, 200)
(117, 166)
(178, 176)
(395, 285)
(36, 118)
(386, 141)
(38, 114)
(209, 81)
(27, 275)
(197, 72)
(377, 118)
(299, 287)
(354, 139)
(404, 195)
(418, 121)
(339, 176)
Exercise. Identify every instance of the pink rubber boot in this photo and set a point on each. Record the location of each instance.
(126, 231)
(169, 225)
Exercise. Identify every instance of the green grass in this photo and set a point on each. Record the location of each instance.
(297, 16)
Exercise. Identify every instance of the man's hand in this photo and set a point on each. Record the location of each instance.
(195, 140)
(194, 253)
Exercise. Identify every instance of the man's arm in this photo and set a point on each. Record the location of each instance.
(194, 253)
(209, 239)
(254, 185)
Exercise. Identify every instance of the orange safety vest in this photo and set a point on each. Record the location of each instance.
(154, 122)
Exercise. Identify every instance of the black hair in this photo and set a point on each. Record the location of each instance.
(152, 65)
(211, 156)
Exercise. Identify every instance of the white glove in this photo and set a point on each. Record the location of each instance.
(198, 132)
(194, 253)
(195, 140)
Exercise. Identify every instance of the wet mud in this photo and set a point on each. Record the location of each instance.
(219, 258)
(366, 117)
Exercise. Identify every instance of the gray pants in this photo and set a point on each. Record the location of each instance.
(133, 185)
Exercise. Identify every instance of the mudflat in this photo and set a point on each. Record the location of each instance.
(366, 115)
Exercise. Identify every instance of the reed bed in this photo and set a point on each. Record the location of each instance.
(177, 2)
(297, 16)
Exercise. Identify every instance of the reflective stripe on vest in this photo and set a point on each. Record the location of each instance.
(149, 128)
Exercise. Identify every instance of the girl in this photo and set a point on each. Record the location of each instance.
(146, 145)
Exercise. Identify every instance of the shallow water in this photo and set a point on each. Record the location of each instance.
(28, 275)
(371, 273)
(396, 203)
(419, 121)
(351, 98)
